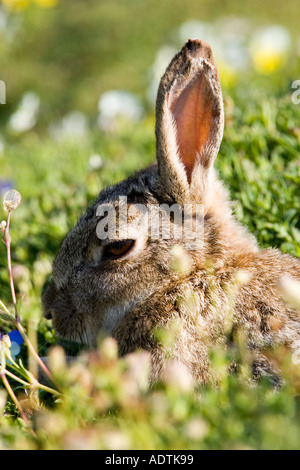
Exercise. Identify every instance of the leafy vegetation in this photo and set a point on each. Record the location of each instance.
(103, 402)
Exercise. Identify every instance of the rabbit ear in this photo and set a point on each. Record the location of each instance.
(189, 119)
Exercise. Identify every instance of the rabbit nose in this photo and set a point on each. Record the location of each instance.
(48, 299)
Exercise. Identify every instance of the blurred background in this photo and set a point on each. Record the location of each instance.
(81, 79)
(58, 57)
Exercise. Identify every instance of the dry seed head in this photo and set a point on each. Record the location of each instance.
(242, 277)
(6, 341)
(181, 262)
(11, 200)
(3, 398)
(290, 291)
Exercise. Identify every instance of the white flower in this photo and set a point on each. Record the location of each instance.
(195, 29)
(25, 117)
(162, 60)
(196, 428)
(95, 162)
(116, 104)
(139, 367)
(177, 375)
(234, 34)
(235, 27)
(228, 39)
(73, 126)
(269, 48)
(115, 439)
(273, 38)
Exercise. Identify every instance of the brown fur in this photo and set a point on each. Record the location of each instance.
(133, 297)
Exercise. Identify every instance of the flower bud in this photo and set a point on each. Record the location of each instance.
(3, 226)
(289, 288)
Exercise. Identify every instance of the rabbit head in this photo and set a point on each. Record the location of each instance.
(119, 255)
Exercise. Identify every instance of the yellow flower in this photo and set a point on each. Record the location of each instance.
(46, 3)
(15, 5)
(228, 75)
(267, 62)
(269, 48)
(18, 5)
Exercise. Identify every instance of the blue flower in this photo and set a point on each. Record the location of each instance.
(5, 185)
(16, 337)
(16, 341)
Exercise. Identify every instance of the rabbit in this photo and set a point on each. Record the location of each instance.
(126, 285)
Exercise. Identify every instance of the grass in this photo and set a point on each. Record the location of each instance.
(105, 403)
(102, 405)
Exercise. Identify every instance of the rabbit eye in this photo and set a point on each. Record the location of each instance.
(117, 249)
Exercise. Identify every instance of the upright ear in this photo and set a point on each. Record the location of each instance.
(189, 120)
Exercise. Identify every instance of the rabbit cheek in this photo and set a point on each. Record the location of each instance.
(114, 315)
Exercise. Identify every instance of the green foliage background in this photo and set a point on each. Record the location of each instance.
(69, 55)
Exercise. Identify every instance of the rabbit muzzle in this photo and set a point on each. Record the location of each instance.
(48, 300)
(59, 307)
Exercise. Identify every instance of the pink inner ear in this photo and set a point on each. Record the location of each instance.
(192, 112)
